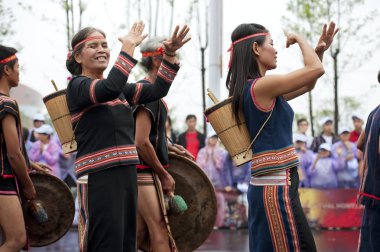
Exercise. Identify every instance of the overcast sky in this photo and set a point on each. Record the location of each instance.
(41, 33)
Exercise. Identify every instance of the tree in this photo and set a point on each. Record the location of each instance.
(7, 18)
(307, 19)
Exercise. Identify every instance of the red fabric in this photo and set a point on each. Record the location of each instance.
(354, 136)
(192, 143)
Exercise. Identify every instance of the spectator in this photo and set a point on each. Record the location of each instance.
(306, 158)
(322, 171)
(327, 135)
(211, 159)
(358, 128)
(302, 127)
(25, 135)
(38, 121)
(191, 139)
(345, 154)
(237, 177)
(45, 150)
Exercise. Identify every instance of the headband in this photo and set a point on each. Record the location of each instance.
(159, 51)
(240, 40)
(82, 42)
(8, 59)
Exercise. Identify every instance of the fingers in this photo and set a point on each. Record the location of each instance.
(175, 32)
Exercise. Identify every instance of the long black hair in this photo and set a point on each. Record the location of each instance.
(71, 64)
(244, 65)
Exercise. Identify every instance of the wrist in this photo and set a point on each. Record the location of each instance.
(170, 54)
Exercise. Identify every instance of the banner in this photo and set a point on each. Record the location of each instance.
(334, 208)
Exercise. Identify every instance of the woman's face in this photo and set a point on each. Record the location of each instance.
(267, 54)
(95, 54)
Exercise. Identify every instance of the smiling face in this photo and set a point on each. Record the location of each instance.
(266, 54)
(95, 54)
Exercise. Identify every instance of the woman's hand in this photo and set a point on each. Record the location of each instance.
(135, 35)
(327, 37)
(177, 40)
(291, 38)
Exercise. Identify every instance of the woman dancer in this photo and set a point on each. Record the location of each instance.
(103, 125)
(276, 220)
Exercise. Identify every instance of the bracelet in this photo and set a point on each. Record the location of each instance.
(170, 54)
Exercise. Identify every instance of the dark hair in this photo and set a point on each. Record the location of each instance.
(25, 133)
(150, 46)
(6, 52)
(188, 117)
(74, 67)
(378, 77)
(169, 120)
(301, 120)
(244, 65)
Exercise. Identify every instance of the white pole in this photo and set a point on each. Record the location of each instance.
(215, 47)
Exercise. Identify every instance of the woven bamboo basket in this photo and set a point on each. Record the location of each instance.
(235, 137)
(56, 105)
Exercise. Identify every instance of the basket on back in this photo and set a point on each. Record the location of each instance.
(56, 105)
(235, 138)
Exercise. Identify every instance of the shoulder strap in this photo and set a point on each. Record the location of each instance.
(258, 133)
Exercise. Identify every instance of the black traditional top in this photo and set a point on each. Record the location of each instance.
(101, 114)
(9, 106)
(158, 112)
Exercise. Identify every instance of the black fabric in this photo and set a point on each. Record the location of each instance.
(370, 231)
(200, 136)
(307, 243)
(9, 105)
(102, 115)
(7, 185)
(112, 206)
(157, 136)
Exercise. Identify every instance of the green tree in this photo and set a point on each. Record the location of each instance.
(7, 18)
(307, 17)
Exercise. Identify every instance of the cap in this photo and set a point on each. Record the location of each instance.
(38, 117)
(325, 120)
(344, 130)
(325, 146)
(297, 137)
(355, 117)
(45, 129)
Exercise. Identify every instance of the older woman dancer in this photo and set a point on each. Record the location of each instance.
(103, 125)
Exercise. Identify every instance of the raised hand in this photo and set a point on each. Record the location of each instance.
(177, 40)
(291, 38)
(135, 36)
(327, 37)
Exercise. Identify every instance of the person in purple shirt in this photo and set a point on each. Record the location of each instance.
(322, 171)
(45, 150)
(344, 153)
(306, 157)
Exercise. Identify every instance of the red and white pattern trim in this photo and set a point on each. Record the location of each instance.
(166, 73)
(106, 157)
(124, 65)
(136, 96)
(92, 91)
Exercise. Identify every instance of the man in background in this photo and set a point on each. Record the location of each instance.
(192, 139)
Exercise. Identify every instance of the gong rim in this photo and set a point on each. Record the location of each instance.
(191, 229)
(60, 214)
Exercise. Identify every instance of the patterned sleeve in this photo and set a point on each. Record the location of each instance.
(83, 92)
(8, 105)
(140, 93)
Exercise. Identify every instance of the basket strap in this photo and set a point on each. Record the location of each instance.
(258, 133)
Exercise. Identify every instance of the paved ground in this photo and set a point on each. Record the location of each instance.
(234, 240)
